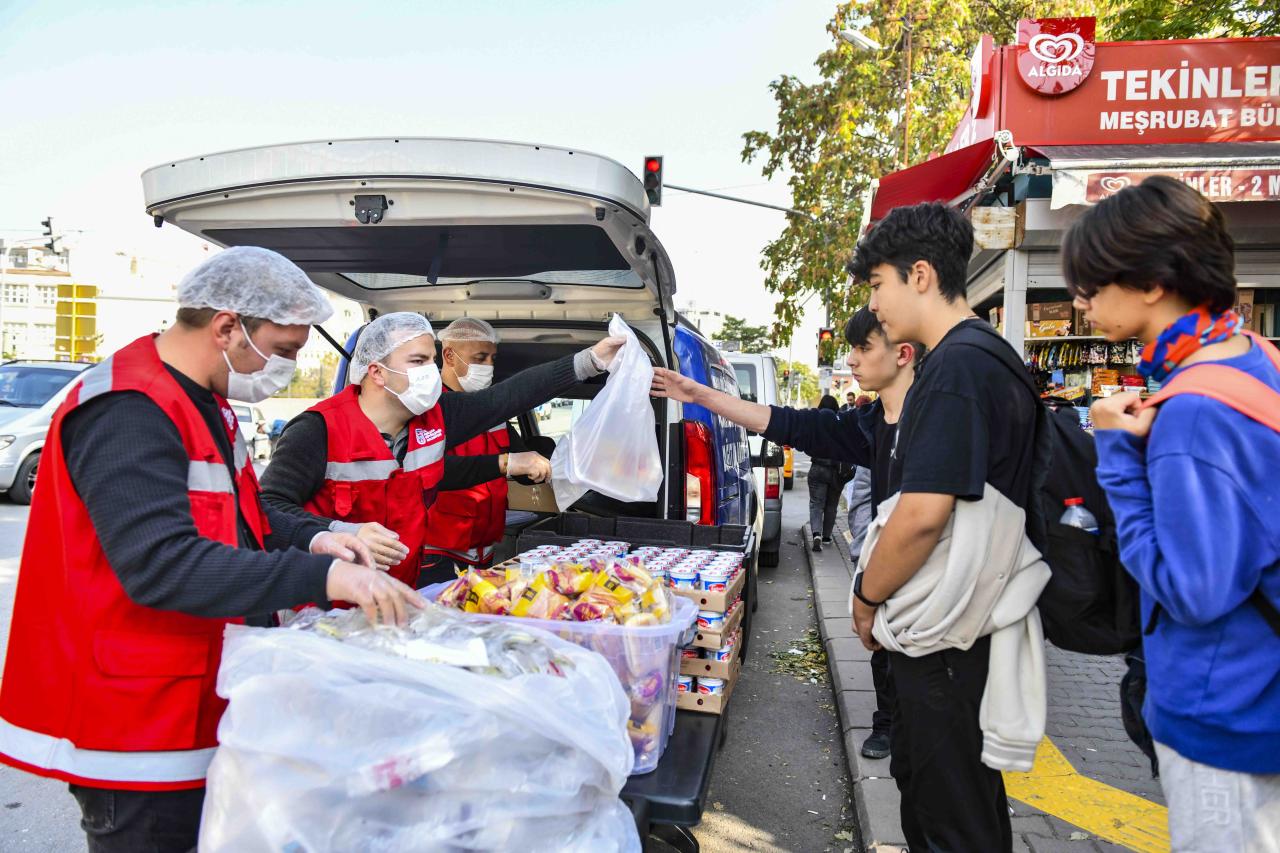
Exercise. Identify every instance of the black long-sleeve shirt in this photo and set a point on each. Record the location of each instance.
(128, 464)
(297, 466)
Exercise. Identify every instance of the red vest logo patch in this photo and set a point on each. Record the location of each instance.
(1055, 55)
(420, 435)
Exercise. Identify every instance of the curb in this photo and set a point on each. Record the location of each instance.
(875, 794)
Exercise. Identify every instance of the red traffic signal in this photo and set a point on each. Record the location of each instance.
(826, 336)
(653, 179)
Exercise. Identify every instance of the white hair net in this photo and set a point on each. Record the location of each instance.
(381, 337)
(469, 329)
(255, 282)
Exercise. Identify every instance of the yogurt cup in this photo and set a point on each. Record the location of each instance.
(683, 577)
(721, 654)
(709, 620)
(714, 579)
(685, 684)
(710, 686)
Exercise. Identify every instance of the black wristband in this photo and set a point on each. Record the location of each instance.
(857, 593)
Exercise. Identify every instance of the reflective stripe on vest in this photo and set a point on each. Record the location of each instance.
(354, 472)
(209, 477)
(62, 756)
(424, 456)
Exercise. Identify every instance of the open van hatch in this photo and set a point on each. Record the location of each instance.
(442, 226)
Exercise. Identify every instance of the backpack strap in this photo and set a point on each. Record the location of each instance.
(1250, 397)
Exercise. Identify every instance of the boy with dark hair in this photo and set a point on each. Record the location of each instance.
(968, 424)
(863, 436)
(1195, 512)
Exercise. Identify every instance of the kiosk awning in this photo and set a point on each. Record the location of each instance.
(1222, 171)
(946, 178)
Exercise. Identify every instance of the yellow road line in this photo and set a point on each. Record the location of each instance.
(1054, 787)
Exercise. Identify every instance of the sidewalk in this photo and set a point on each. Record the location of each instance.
(1092, 784)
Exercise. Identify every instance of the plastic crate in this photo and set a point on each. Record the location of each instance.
(645, 659)
(567, 528)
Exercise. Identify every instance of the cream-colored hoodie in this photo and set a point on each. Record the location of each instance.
(983, 578)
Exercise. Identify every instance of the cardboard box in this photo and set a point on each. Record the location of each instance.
(715, 639)
(714, 668)
(538, 497)
(710, 704)
(1048, 328)
(1083, 326)
(717, 601)
(1039, 311)
(1244, 306)
(999, 227)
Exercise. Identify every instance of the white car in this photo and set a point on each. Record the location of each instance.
(758, 382)
(253, 427)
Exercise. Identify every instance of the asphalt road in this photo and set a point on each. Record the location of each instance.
(780, 782)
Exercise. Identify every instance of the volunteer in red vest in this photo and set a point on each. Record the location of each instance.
(146, 538)
(464, 525)
(370, 459)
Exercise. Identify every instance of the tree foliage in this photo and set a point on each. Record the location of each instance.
(802, 379)
(835, 135)
(752, 339)
(1140, 20)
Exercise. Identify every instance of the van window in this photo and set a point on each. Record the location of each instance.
(557, 416)
(747, 387)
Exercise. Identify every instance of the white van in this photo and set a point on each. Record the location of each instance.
(544, 242)
(758, 382)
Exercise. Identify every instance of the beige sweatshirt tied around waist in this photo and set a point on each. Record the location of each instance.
(983, 578)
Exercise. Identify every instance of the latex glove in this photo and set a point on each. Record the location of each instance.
(385, 544)
(602, 354)
(384, 600)
(344, 546)
(529, 464)
(669, 383)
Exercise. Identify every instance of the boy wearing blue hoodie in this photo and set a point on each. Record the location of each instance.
(1197, 507)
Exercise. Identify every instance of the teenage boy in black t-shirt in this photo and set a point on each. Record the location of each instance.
(858, 436)
(967, 421)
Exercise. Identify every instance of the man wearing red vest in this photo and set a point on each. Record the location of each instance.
(146, 538)
(464, 525)
(371, 458)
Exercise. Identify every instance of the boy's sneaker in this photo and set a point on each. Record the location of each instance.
(817, 543)
(827, 540)
(876, 746)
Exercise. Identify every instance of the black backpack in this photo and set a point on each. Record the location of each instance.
(1090, 604)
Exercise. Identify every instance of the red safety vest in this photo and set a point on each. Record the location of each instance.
(465, 524)
(363, 482)
(99, 690)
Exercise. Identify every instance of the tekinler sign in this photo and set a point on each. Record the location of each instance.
(1214, 90)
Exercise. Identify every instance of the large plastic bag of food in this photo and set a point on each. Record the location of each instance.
(613, 448)
(450, 735)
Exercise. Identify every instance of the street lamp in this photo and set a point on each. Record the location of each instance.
(863, 42)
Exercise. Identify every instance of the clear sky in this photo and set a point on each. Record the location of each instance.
(97, 92)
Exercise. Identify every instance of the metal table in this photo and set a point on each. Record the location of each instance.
(669, 800)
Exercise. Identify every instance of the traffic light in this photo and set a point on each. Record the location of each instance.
(653, 179)
(826, 347)
(48, 232)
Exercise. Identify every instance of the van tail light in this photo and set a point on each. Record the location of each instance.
(699, 474)
(772, 484)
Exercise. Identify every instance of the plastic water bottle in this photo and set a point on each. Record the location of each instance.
(1077, 516)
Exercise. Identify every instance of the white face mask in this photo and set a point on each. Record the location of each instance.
(423, 390)
(255, 387)
(477, 378)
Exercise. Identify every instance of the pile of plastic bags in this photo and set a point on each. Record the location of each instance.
(447, 735)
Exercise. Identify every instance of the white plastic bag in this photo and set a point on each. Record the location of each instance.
(613, 447)
(330, 746)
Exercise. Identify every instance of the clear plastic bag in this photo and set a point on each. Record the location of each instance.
(339, 737)
(613, 448)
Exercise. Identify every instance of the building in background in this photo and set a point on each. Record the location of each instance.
(708, 322)
(30, 278)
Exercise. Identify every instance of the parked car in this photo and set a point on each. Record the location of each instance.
(30, 392)
(758, 382)
(253, 428)
(544, 242)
